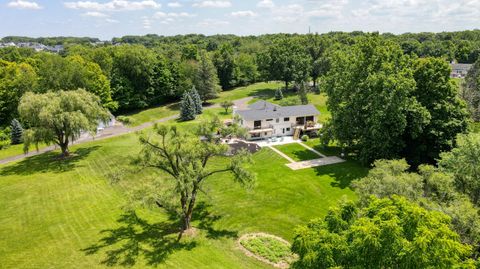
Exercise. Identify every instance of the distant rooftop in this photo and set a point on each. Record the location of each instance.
(262, 110)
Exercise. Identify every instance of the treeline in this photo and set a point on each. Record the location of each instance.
(50, 41)
(142, 71)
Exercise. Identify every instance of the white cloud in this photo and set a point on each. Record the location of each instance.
(214, 4)
(24, 5)
(266, 4)
(167, 18)
(114, 5)
(243, 13)
(111, 21)
(95, 14)
(212, 23)
(174, 4)
(173, 15)
(146, 23)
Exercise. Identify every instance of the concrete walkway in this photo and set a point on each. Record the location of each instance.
(315, 163)
(294, 165)
(115, 130)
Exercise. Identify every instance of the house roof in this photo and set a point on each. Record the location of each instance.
(262, 110)
(464, 67)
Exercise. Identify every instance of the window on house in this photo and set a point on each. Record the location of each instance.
(286, 119)
(288, 129)
(268, 119)
(278, 120)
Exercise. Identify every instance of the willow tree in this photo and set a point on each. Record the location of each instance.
(185, 157)
(60, 117)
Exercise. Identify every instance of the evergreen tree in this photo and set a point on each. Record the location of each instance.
(278, 94)
(187, 107)
(206, 79)
(197, 100)
(16, 132)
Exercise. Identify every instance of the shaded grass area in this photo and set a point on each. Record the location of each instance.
(297, 152)
(67, 214)
(330, 150)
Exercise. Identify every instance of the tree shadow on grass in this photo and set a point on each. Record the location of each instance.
(155, 242)
(342, 173)
(47, 162)
(206, 221)
(305, 155)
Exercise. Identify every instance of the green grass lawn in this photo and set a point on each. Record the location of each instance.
(14, 150)
(67, 214)
(297, 152)
(331, 150)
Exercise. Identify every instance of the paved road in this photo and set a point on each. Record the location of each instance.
(117, 130)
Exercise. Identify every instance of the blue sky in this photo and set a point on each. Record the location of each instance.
(113, 18)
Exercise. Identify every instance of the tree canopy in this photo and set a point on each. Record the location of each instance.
(185, 158)
(385, 233)
(60, 117)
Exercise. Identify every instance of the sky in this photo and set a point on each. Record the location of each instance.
(105, 19)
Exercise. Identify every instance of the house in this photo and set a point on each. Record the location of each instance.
(264, 120)
(459, 70)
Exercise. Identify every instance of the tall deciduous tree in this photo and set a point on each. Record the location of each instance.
(370, 88)
(206, 79)
(15, 80)
(287, 60)
(60, 117)
(224, 61)
(185, 159)
(447, 112)
(316, 46)
(386, 233)
(464, 162)
(471, 90)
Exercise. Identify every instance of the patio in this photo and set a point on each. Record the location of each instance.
(275, 141)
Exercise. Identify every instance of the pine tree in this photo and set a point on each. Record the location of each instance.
(278, 94)
(16, 132)
(206, 79)
(187, 107)
(197, 100)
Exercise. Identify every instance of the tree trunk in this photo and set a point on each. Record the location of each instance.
(187, 218)
(286, 85)
(64, 148)
(315, 83)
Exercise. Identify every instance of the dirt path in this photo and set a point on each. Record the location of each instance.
(116, 130)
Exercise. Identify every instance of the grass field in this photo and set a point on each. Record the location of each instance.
(67, 214)
(297, 152)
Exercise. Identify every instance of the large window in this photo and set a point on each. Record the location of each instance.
(287, 119)
(309, 118)
(257, 124)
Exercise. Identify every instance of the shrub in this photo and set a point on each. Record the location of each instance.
(304, 138)
(4, 138)
(278, 94)
(125, 120)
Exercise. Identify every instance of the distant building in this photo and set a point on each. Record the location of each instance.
(459, 70)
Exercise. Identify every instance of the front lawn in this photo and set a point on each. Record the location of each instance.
(297, 152)
(69, 214)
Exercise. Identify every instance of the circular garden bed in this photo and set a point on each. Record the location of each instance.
(267, 248)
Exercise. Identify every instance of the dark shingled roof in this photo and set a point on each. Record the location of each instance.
(262, 110)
